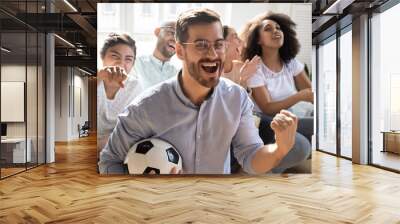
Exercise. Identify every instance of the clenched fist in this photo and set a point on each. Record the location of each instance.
(306, 95)
(284, 124)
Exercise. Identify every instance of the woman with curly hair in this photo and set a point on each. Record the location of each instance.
(281, 81)
(240, 72)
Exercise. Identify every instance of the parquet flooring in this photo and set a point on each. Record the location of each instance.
(9, 171)
(387, 159)
(71, 191)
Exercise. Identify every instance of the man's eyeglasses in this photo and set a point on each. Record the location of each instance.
(169, 30)
(204, 46)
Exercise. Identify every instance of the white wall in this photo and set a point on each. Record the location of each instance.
(33, 127)
(80, 103)
(61, 103)
(69, 85)
(13, 73)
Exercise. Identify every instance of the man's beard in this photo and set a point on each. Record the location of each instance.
(162, 47)
(195, 72)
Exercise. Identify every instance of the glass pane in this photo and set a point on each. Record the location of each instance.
(327, 96)
(314, 86)
(346, 94)
(13, 86)
(386, 89)
(41, 99)
(31, 97)
(23, 89)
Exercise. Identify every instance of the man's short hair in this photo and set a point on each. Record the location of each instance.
(193, 17)
(225, 30)
(115, 39)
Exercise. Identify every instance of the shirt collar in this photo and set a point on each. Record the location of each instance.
(183, 98)
(180, 94)
(158, 61)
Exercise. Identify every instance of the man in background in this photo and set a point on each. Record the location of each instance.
(155, 68)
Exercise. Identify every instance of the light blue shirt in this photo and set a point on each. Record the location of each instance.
(152, 71)
(202, 134)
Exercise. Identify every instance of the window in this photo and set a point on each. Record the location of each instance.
(109, 9)
(327, 96)
(108, 17)
(22, 67)
(146, 10)
(385, 85)
(197, 5)
(173, 8)
(394, 101)
(346, 94)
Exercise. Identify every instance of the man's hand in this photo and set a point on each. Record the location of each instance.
(175, 170)
(284, 124)
(113, 77)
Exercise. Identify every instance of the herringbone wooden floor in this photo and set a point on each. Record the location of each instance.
(71, 191)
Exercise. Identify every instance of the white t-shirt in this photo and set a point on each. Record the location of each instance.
(108, 110)
(280, 85)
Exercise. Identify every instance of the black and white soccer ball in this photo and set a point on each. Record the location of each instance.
(154, 156)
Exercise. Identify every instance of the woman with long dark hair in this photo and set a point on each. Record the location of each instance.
(240, 72)
(280, 82)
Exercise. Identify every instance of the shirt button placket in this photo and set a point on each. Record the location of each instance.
(199, 135)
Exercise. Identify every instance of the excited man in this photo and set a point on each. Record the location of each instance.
(155, 68)
(198, 112)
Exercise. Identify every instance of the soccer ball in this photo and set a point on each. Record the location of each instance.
(152, 156)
